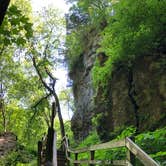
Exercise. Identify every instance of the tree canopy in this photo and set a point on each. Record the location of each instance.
(28, 58)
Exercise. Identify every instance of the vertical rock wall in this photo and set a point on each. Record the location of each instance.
(136, 95)
(83, 93)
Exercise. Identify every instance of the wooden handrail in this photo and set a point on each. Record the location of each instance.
(139, 153)
(127, 142)
(107, 145)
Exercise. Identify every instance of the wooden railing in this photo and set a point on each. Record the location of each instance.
(133, 151)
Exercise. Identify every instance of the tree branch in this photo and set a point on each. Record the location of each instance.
(46, 118)
(49, 74)
(52, 77)
(40, 76)
(39, 101)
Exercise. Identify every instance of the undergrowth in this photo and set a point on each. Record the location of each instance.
(152, 143)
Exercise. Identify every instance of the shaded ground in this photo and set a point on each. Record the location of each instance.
(7, 143)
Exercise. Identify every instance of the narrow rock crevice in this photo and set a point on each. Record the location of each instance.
(132, 94)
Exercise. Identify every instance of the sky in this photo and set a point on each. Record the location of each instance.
(60, 4)
(60, 73)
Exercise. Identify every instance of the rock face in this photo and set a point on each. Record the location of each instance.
(83, 94)
(136, 96)
(7, 143)
(149, 79)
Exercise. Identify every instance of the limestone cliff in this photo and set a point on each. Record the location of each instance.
(83, 93)
(135, 96)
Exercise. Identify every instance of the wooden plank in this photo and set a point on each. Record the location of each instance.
(81, 150)
(129, 155)
(128, 163)
(107, 145)
(49, 144)
(92, 156)
(140, 154)
(119, 162)
(129, 158)
(76, 159)
(39, 153)
(99, 162)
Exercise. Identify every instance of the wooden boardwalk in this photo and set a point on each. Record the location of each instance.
(133, 152)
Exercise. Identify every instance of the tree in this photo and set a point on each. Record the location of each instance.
(43, 54)
(14, 31)
(20, 86)
(50, 87)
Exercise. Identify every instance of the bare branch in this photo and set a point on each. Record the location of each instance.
(46, 118)
(47, 45)
(49, 74)
(40, 76)
(39, 101)
(52, 77)
(45, 50)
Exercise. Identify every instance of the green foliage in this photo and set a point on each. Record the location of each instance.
(21, 86)
(152, 143)
(151, 139)
(127, 132)
(96, 10)
(74, 49)
(85, 18)
(22, 89)
(133, 29)
(18, 156)
(136, 28)
(102, 75)
(92, 138)
(159, 157)
(16, 28)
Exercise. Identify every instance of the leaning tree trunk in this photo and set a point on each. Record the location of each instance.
(52, 91)
(62, 128)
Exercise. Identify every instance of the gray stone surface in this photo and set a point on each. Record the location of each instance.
(147, 91)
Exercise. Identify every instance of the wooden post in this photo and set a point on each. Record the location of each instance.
(76, 158)
(39, 152)
(130, 155)
(92, 156)
(50, 137)
(49, 145)
(54, 150)
(53, 114)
